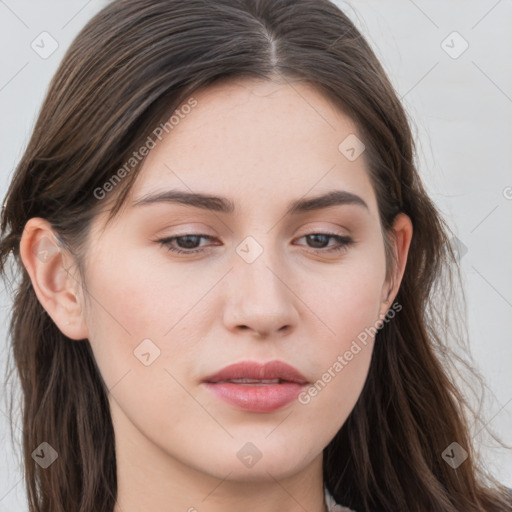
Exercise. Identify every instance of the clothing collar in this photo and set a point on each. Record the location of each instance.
(332, 506)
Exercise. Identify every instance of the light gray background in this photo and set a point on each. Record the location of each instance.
(461, 109)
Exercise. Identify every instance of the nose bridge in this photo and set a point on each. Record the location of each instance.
(259, 296)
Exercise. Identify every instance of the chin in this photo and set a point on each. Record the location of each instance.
(248, 464)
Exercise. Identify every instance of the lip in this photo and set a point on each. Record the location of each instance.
(257, 395)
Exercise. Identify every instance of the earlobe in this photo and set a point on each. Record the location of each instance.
(46, 263)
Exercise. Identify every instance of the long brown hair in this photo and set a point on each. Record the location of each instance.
(131, 65)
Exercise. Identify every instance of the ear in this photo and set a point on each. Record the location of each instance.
(400, 241)
(47, 264)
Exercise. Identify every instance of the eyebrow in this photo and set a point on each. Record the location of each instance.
(225, 205)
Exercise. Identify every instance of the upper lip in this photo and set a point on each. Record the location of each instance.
(258, 371)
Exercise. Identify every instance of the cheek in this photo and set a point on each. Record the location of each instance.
(348, 307)
(349, 300)
(123, 310)
(133, 297)
(133, 302)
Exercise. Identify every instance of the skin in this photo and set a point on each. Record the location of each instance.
(261, 144)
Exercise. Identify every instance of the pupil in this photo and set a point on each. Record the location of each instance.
(189, 241)
(318, 238)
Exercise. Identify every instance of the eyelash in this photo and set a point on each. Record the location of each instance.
(344, 242)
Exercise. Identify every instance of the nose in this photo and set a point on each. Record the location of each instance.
(260, 298)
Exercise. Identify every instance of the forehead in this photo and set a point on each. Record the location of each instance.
(256, 140)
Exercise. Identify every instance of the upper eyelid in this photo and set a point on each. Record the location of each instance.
(308, 229)
(212, 237)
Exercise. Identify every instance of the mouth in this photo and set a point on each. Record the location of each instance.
(257, 387)
(252, 381)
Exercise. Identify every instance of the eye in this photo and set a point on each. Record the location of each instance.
(320, 240)
(190, 243)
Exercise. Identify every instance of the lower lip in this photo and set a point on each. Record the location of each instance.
(256, 398)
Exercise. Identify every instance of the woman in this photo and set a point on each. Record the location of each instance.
(228, 264)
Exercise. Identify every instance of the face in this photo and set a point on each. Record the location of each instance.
(177, 292)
